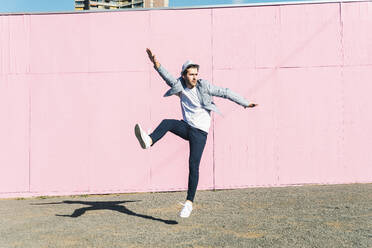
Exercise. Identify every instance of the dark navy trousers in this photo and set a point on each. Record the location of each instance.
(197, 139)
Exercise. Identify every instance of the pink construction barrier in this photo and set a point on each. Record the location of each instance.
(72, 87)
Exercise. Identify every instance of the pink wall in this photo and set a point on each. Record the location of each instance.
(72, 86)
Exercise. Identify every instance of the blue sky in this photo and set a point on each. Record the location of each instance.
(15, 6)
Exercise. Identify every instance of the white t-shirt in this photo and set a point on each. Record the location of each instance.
(192, 111)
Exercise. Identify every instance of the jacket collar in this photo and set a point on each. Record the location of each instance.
(198, 85)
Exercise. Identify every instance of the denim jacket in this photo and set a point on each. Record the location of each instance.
(205, 91)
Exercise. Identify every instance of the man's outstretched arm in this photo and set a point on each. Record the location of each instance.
(232, 96)
(168, 78)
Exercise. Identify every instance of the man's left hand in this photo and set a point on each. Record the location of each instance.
(251, 105)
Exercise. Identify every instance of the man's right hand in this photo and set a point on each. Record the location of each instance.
(152, 58)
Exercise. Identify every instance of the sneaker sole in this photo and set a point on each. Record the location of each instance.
(137, 132)
(182, 216)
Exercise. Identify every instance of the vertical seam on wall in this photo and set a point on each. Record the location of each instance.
(89, 167)
(89, 43)
(342, 138)
(149, 74)
(28, 21)
(276, 128)
(214, 148)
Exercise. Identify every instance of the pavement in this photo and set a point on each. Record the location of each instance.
(298, 216)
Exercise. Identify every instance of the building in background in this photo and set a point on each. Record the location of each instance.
(156, 3)
(119, 4)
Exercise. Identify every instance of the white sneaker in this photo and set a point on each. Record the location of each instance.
(186, 210)
(143, 138)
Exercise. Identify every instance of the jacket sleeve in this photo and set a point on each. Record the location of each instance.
(228, 94)
(168, 78)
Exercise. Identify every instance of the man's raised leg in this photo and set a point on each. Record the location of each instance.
(179, 128)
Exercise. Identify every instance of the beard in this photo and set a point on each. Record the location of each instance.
(191, 84)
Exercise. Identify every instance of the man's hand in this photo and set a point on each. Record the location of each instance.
(251, 105)
(153, 58)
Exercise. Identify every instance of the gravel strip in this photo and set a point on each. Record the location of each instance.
(306, 216)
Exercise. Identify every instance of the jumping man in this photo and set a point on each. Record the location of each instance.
(196, 105)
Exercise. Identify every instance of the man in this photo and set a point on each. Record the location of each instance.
(196, 105)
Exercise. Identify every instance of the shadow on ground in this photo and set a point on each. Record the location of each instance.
(105, 205)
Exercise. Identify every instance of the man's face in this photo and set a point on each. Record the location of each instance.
(191, 77)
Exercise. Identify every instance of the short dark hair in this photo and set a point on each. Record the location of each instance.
(188, 67)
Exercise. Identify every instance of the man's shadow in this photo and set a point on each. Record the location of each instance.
(105, 205)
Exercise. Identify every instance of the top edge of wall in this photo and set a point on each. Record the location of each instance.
(189, 8)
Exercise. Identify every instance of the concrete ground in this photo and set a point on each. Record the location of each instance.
(307, 216)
